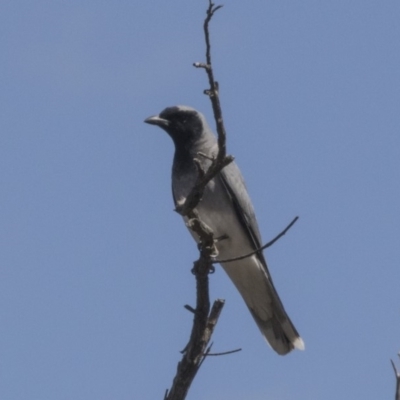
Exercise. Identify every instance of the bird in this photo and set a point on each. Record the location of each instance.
(226, 208)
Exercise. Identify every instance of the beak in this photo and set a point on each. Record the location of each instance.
(156, 120)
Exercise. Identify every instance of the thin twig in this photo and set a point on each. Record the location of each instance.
(214, 87)
(189, 308)
(222, 160)
(205, 354)
(224, 353)
(269, 244)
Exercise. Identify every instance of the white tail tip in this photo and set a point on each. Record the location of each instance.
(299, 344)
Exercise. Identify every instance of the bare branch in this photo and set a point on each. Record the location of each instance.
(222, 160)
(213, 92)
(204, 320)
(195, 351)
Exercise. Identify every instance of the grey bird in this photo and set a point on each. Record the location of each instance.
(227, 209)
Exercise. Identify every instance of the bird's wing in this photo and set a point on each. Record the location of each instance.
(235, 186)
(265, 304)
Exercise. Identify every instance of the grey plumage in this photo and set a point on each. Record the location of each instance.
(227, 209)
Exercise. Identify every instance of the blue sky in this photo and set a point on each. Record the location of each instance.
(94, 263)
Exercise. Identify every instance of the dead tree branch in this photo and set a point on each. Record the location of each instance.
(204, 320)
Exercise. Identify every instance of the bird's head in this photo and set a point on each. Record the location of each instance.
(184, 124)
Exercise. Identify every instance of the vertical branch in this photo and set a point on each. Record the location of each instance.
(222, 160)
(213, 92)
(203, 323)
(204, 320)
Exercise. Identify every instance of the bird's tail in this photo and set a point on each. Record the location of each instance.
(279, 333)
(257, 289)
